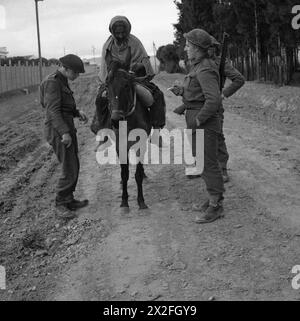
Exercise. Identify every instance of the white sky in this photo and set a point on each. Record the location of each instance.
(77, 25)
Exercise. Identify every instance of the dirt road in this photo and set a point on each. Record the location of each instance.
(160, 253)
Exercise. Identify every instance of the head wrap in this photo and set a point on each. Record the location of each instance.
(120, 19)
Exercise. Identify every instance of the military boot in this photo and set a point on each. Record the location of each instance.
(64, 213)
(204, 207)
(211, 214)
(76, 205)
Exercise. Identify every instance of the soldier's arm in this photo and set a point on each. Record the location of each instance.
(52, 102)
(209, 83)
(237, 80)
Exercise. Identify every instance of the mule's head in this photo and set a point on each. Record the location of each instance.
(121, 93)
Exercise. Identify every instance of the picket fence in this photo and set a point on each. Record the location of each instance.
(21, 76)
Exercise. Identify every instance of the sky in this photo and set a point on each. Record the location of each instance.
(75, 26)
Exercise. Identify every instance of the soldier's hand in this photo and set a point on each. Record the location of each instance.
(180, 110)
(176, 90)
(198, 122)
(104, 94)
(67, 140)
(83, 117)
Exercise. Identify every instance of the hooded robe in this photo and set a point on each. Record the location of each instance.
(132, 49)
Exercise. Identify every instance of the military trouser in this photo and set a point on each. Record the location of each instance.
(212, 174)
(223, 155)
(68, 158)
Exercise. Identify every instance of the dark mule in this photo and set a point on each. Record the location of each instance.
(125, 106)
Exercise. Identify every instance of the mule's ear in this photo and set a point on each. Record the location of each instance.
(114, 66)
(110, 76)
(139, 69)
(150, 77)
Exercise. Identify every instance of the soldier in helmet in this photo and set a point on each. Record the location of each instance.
(201, 96)
(57, 98)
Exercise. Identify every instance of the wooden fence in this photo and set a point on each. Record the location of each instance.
(21, 76)
(279, 69)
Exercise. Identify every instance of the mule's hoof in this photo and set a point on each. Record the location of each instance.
(125, 210)
(143, 206)
(124, 205)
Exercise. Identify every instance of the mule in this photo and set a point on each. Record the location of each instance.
(124, 105)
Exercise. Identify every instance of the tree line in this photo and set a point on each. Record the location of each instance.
(263, 44)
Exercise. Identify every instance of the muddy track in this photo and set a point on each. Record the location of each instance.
(160, 253)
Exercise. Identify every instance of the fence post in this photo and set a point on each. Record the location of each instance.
(31, 74)
(4, 78)
(10, 76)
(1, 71)
(20, 75)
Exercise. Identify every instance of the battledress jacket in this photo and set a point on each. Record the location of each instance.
(57, 98)
(201, 91)
(237, 79)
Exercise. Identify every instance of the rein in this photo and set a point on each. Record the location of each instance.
(133, 107)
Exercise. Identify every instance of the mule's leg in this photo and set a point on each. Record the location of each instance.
(125, 177)
(139, 176)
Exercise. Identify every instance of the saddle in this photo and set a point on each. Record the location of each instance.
(150, 94)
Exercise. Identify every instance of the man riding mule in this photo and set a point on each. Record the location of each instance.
(125, 48)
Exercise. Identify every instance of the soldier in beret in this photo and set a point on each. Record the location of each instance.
(57, 98)
(202, 98)
(237, 81)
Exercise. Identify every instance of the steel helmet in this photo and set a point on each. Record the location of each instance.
(199, 37)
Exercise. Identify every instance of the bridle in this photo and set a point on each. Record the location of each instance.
(133, 106)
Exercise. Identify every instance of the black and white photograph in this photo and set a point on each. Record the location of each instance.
(149, 153)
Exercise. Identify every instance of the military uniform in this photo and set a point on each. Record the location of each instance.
(237, 81)
(202, 99)
(57, 98)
